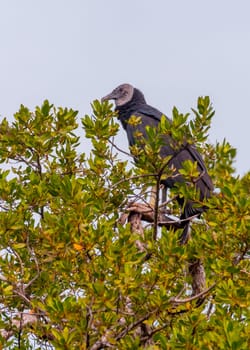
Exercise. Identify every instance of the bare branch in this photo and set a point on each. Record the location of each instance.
(21, 294)
(33, 255)
(147, 214)
(187, 300)
(165, 203)
(135, 324)
(119, 149)
(19, 259)
(156, 207)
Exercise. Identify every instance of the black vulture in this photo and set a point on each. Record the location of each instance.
(130, 101)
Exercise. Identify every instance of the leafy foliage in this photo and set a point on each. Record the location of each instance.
(67, 260)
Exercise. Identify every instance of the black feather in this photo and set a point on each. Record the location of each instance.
(151, 116)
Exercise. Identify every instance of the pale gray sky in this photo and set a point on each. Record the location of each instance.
(73, 51)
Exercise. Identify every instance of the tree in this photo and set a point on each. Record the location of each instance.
(79, 269)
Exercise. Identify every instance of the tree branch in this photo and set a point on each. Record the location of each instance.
(21, 320)
(187, 300)
(147, 214)
(119, 149)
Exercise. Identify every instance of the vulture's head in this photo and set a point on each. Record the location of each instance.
(123, 94)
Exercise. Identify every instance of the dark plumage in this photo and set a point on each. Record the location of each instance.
(130, 101)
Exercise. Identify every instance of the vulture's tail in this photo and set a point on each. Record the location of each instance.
(184, 237)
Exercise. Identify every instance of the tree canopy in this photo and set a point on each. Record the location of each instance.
(76, 272)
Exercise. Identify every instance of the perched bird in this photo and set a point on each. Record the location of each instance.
(130, 101)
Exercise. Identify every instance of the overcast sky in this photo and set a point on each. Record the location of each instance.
(74, 51)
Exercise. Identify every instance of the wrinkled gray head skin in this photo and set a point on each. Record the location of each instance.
(121, 95)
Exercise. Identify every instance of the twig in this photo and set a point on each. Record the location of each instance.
(186, 300)
(119, 149)
(147, 214)
(165, 203)
(19, 259)
(134, 177)
(156, 208)
(135, 324)
(22, 295)
(240, 256)
(32, 254)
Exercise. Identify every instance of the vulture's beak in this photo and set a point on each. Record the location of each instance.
(111, 96)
